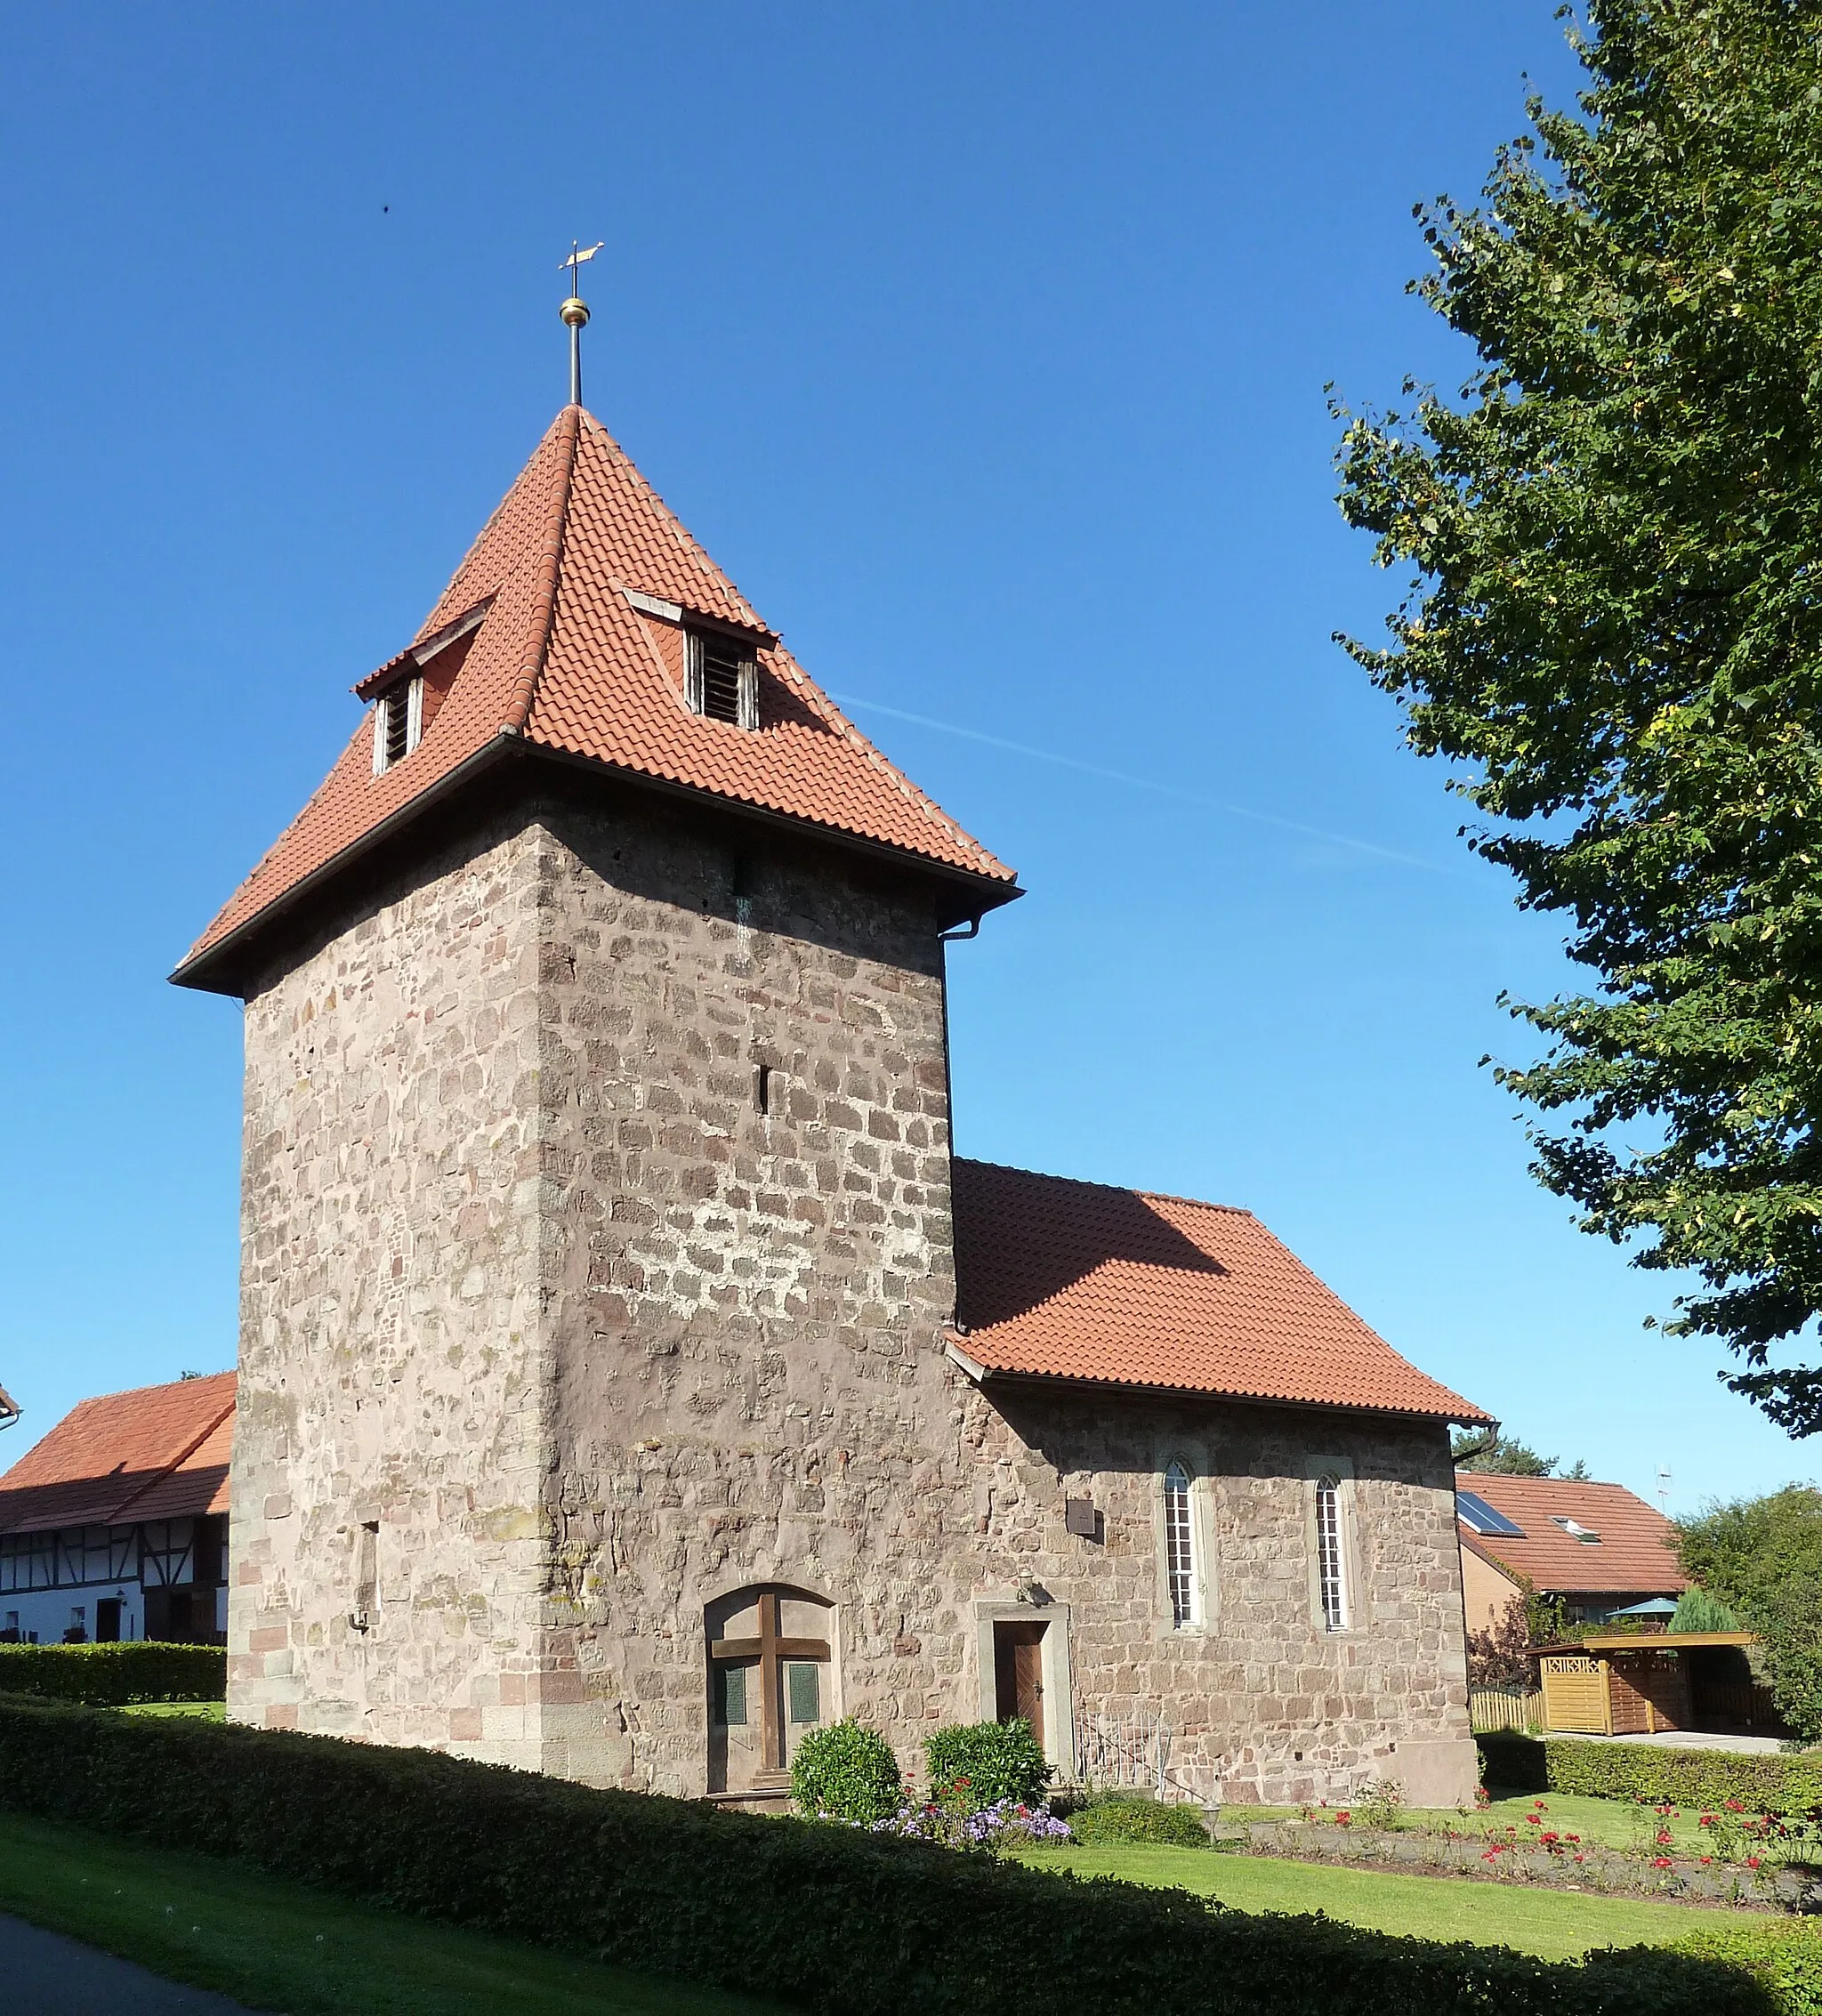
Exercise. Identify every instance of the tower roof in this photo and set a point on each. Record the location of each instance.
(563, 630)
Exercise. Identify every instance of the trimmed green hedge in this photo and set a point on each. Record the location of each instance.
(1764, 1783)
(1105, 1822)
(1782, 1955)
(110, 1676)
(829, 1918)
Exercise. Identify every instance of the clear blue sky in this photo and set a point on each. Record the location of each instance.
(985, 347)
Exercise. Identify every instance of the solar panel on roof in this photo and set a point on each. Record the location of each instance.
(1479, 1517)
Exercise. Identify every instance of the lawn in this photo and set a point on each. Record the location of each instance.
(275, 1945)
(192, 1711)
(1552, 1924)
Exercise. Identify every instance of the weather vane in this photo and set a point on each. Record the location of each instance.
(575, 312)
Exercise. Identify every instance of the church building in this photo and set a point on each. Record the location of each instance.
(630, 1380)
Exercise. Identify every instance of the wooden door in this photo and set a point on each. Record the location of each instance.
(1018, 1651)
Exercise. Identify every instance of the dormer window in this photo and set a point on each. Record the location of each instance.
(1575, 1530)
(397, 722)
(721, 678)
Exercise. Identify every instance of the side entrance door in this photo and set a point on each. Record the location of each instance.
(1018, 1657)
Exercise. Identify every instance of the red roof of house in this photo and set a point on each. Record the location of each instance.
(1068, 1280)
(159, 1452)
(1636, 1552)
(564, 659)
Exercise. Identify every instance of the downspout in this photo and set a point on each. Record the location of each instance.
(946, 938)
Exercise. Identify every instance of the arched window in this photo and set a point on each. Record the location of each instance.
(1180, 1546)
(1331, 1575)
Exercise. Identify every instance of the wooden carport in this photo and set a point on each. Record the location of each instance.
(1628, 1683)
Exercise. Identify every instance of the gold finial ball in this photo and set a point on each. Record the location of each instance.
(575, 311)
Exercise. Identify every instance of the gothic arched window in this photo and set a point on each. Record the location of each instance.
(1180, 1545)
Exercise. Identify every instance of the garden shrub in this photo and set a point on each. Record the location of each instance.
(1109, 1818)
(986, 1762)
(1763, 1783)
(1782, 1955)
(832, 1919)
(848, 1772)
(111, 1676)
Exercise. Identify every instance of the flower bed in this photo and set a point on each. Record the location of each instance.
(1749, 1869)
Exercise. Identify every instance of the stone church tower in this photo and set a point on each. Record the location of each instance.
(596, 1201)
(605, 1408)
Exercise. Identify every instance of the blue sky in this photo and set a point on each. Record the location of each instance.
(985, 348)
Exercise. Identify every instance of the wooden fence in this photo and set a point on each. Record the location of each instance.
(1504, 1707)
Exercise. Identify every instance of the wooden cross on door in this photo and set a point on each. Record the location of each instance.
(770, 1648)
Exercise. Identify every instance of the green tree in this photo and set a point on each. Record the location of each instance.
(1744, 1552)
(1613, 635)
(1496, 1455)
(1763, 1559)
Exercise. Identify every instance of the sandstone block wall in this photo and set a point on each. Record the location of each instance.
(599, 1253)
(391, 1375)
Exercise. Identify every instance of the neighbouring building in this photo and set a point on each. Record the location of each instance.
(1598, 1547)
(115, 1525)
(629, 1378)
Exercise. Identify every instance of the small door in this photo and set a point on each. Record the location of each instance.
(107, 1620)
(1018, 1657)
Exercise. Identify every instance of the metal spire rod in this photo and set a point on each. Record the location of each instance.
(574, 313)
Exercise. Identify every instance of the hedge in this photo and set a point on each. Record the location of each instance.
(1782, 1955)
(1764, 1783)
(1110, 1822)
(110, 1676)
(829, 1918)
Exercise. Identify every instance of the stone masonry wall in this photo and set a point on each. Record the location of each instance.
(747, 1312)
(534, 1282)
(388, 1357)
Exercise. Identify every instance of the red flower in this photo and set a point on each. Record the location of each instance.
(1707, 1821)
(1533, 1819)
(1581, 1858)
(1550, 1837)
(1541, 1807)
(1575, 1837)
(1736, 1806)
(1662, 1862)
(1707, 1857)
(1751, 1861)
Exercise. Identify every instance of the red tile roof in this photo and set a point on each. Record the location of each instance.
(1069, 1280)
(1637, 1554)
(564, 660)
(159, 1452)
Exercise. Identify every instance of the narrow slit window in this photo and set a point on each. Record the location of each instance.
(1180, 1546)
(722, 679)
(398, 723)
(1330, 1575)
(762, 1087)
(367, 1575)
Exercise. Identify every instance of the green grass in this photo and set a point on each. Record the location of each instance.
(1554, 1925)
(197, 1711)
(279, 1946)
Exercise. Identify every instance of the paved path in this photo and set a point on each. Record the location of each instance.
(45, 1974)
